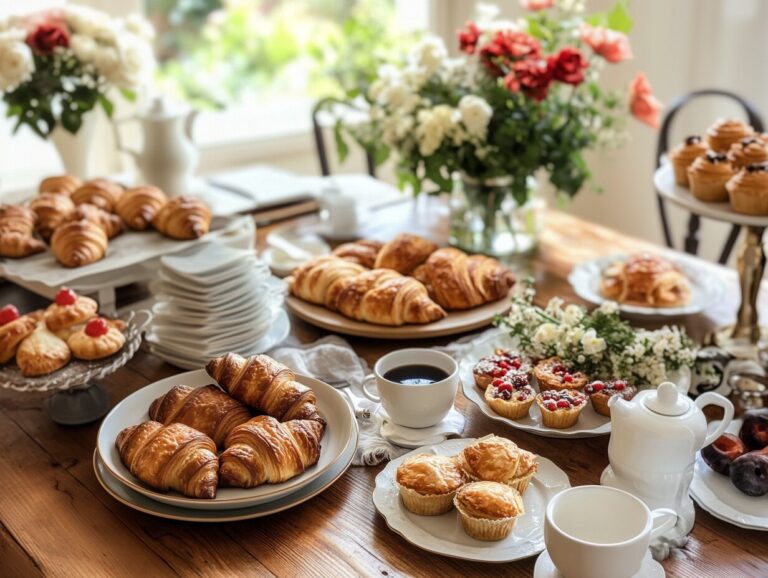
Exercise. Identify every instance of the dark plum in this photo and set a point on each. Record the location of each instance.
(720, 454)
(754, 429)
(749, 473)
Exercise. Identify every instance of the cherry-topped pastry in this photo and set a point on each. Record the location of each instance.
(68, 312)
(98, 339)
(9, 313)
(552, 373)
(560, 409)
(600, 392)
(499, 365)
(510, 396)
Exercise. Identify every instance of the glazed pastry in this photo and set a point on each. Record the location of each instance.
(112, 224)
(748, 190)
(456, 280)
(488, 510)
(312, 280)
(383, 297)
(553, 374)
(17, 225)
(14, 328)
(362, 252)
(96, 340)
(683, 155)
(183, 218)
(206, 409)
(42, 353)
(726, 132)
(99, 192)
(707, 177)
(428, 483)
(560, 409)
(600, 392)
(79, 243)
(510, 396)
(498, 365)
(647, 280)
(138, 206)
(265, 385)
(63, 185)
(68, 309)
(52, 209)
(265, 451)
(170, 457)
(748, 151)
(497, 459)
(404, 253)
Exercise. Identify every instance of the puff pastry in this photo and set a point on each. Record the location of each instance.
(428, 482)
(183, 218)
(112, 224)
(312, 280)
(647, 280)
(498, 459)
(99, 192)
(488, 510)
(58, 317)
(12, 334)
(404, 253)
(79, 243)
(63, 185)
(89, 348)
(42, 353)
(17, 225)
(362, 252)
(52, 210)
(138, 206)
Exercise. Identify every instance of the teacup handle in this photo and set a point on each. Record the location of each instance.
(663, 519)
(712, 398)
(372, 396)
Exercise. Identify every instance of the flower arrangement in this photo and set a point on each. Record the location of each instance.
(598, 343)
(58, 65)
(522, 96)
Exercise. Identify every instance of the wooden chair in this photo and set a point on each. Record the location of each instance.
(320, 148)
(691, 241)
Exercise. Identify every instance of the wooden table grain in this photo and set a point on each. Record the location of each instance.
(56, 520)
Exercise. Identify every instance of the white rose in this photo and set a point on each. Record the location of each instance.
(88, 21)
(135, 63)
(84, 47)
(573, 314)
(546, 333)
(434, 125)
(475, 115)
(140, 27)
(591, 343)
(609, 307)
(16, 65)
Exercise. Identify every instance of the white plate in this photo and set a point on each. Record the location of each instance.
(141, 503)
(133, 409)
(191, 291)
(706, 288)
(717, 495)
(545, 568)
(211, 282)
(590, 422)
(207, 261)
(444, 534)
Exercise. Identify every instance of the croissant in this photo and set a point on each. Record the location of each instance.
(266, 385)
(79, 243)
(183, 218)
(265, 451)
(52, 209)
(138, 206)
(100, 192)
(112, 224)
(362, 252)
(17, 225)
(170, 457)
(383, 297)
(404, 253)
(312, 280)
(12, 334)
(460, 281)
(63, 185)
(206, 409)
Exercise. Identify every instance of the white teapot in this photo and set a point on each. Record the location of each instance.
(653, 445)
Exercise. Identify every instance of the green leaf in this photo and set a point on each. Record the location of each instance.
(618, 18)
(341, 145)
(71, 120)
(380, 155)
(106, 104)
(128, 95)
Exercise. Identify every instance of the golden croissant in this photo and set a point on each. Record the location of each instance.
(404, 253)
(312, 280)
(362, 252)
(206, 409)
(183, 218)
(17, 225)
(138, 206)
(170, 457)
(265, 451)
(112, 224)
(265, 385)
(62, 185)
(79, 243)
(52, 209)
(100, 192)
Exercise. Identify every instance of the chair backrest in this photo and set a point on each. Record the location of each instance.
(321, 149)
(691, 241)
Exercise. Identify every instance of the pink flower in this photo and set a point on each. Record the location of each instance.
(642, 104)
(610, 44)
(536, 5)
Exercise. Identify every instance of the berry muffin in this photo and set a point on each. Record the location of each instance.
(748, 151)
(748, 190)
(488, 510)
(560, 409)
(495, 366)
(600, 392)
(553, 374)
(683, 155)
(428, 483)
(510, 396)
(497, 459)
(707, 177)
(726, 132)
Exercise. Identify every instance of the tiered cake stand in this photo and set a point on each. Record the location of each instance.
(743, 338)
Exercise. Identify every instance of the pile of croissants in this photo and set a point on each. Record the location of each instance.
(79, 218)
(178, 448)
(407, 280)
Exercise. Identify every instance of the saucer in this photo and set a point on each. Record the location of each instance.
(408, 437)
(545, 568)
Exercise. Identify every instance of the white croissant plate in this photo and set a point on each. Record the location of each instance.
(133, 410)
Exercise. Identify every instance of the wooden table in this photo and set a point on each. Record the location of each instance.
(56, 520)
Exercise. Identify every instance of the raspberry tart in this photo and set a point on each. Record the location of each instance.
(510, 396)
(560, 409)
(498, 365)
(553, 374)
(600, 392)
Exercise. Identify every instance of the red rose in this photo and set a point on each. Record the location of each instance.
(534, 77)
(567, 66)
(46, 37)
(468, 38)
(511, 82)
(505, 47)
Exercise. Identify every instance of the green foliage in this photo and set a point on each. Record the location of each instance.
(617, 19)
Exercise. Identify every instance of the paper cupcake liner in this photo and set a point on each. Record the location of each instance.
(521, 483)
(425, 504)
(510, 409)
(484, 529)
(560, 419)
(708, 190)
(680, 167)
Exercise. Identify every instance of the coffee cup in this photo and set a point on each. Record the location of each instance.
(601, 532)
(415, 402)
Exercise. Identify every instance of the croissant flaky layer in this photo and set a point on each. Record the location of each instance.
(79, 243)
(183, 218)
(17, 225)
(312, 281)
(404, 253)
(138, 206)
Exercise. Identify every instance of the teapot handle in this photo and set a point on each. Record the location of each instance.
(119, 141)
(189, 122)
(712, 398)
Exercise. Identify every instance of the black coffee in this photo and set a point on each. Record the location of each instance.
(415, 374)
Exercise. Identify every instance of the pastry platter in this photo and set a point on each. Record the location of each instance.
(341, 429)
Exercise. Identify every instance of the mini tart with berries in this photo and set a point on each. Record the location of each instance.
(68, 309)
(553, 374)
(560, 409)
(600, 392)
(497, 366)
(97, 340)
(510, 396)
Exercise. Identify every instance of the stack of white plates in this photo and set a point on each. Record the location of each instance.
(214, 300)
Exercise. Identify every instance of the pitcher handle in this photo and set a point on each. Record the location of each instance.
(189, 122)
(663, 519)
(118, 140)
(712, 398)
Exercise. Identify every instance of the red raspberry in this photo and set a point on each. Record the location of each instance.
(504, 364)
(504, 387)
(8, 313)
(619, 385)
(65, 297)
(550, 406)
(516, 363)
(96, 327)
(498, 372)
(567, 378)
(496, 382)
(558, 368)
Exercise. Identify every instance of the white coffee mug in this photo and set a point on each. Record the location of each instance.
(415, 406)
(601, 532)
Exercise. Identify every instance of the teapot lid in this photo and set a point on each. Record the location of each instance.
(666, 400)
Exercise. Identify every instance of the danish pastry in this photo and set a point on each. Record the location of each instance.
(428, 483)
(68, 309)
(488, 510)
(14, 328)
(42, 353)
(97, 340)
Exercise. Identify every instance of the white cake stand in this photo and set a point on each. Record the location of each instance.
(743, 338)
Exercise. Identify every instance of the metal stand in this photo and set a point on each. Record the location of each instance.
(78, 406)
